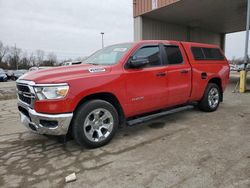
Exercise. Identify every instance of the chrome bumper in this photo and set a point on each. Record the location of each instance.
(40, 123)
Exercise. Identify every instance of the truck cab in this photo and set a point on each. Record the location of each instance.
(121, 83)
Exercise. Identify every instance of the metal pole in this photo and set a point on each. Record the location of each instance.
(102, 33)
(247, 35)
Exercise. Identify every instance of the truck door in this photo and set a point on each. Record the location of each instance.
(178, 74)
(146, 86)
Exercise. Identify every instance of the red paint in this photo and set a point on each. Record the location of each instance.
(130, 84)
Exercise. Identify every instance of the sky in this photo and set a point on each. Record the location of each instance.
(71, 28)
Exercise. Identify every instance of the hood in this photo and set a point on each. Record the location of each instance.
(65, 73)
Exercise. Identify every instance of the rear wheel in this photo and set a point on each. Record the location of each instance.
(95, 123)
(211, 99)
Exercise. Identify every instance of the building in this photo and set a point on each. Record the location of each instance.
(206, 21)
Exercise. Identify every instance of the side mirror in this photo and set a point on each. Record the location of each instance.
(139, 62)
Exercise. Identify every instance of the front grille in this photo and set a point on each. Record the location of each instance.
(23, 88)
(24, 99)
(24, 94)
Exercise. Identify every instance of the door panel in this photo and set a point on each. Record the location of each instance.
(179, 75)
(179, 80)
(146, 87)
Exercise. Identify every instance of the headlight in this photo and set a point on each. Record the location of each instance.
(51, 92)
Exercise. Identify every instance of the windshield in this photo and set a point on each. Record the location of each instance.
(109, 55)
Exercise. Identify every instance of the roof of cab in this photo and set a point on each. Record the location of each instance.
(179, 42)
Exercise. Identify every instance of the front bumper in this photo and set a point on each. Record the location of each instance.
(48, 124)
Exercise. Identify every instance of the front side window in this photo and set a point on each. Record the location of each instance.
(174, 55)
(152, 53)
(109, 55)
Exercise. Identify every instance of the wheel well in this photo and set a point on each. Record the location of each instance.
(217, 81)
(109, 97)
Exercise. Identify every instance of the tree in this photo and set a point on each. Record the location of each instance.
(52, 59)
(24, 62)
(13, 57)
(39, 56)
(3, 51)
(32, 59)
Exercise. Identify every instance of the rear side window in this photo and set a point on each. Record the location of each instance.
(207, 53)
(213, 53)
(174, 55)
(198, 53)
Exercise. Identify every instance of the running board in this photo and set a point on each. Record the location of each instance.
(157, 115)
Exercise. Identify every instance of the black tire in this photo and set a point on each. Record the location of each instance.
(80, 132)
(204, 104)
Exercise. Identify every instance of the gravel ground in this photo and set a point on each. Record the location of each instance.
(187, 149)
(7, 90)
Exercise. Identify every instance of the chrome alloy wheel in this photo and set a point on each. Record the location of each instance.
(213, 97)
(98, 125)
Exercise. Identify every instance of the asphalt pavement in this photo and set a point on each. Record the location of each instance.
(187, 149)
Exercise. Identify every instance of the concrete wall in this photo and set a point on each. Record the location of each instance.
(138, 28)
(153, 29)
(203, 36)
(146, 29)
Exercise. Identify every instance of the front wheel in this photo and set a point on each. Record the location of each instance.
(95, 123)
(211, 99)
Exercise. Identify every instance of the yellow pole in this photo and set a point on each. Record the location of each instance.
(243, 76)
(243, 73)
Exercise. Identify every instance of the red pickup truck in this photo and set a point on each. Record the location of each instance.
(123, 83)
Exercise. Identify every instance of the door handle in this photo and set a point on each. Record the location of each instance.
(184, 71)
(161, 74)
